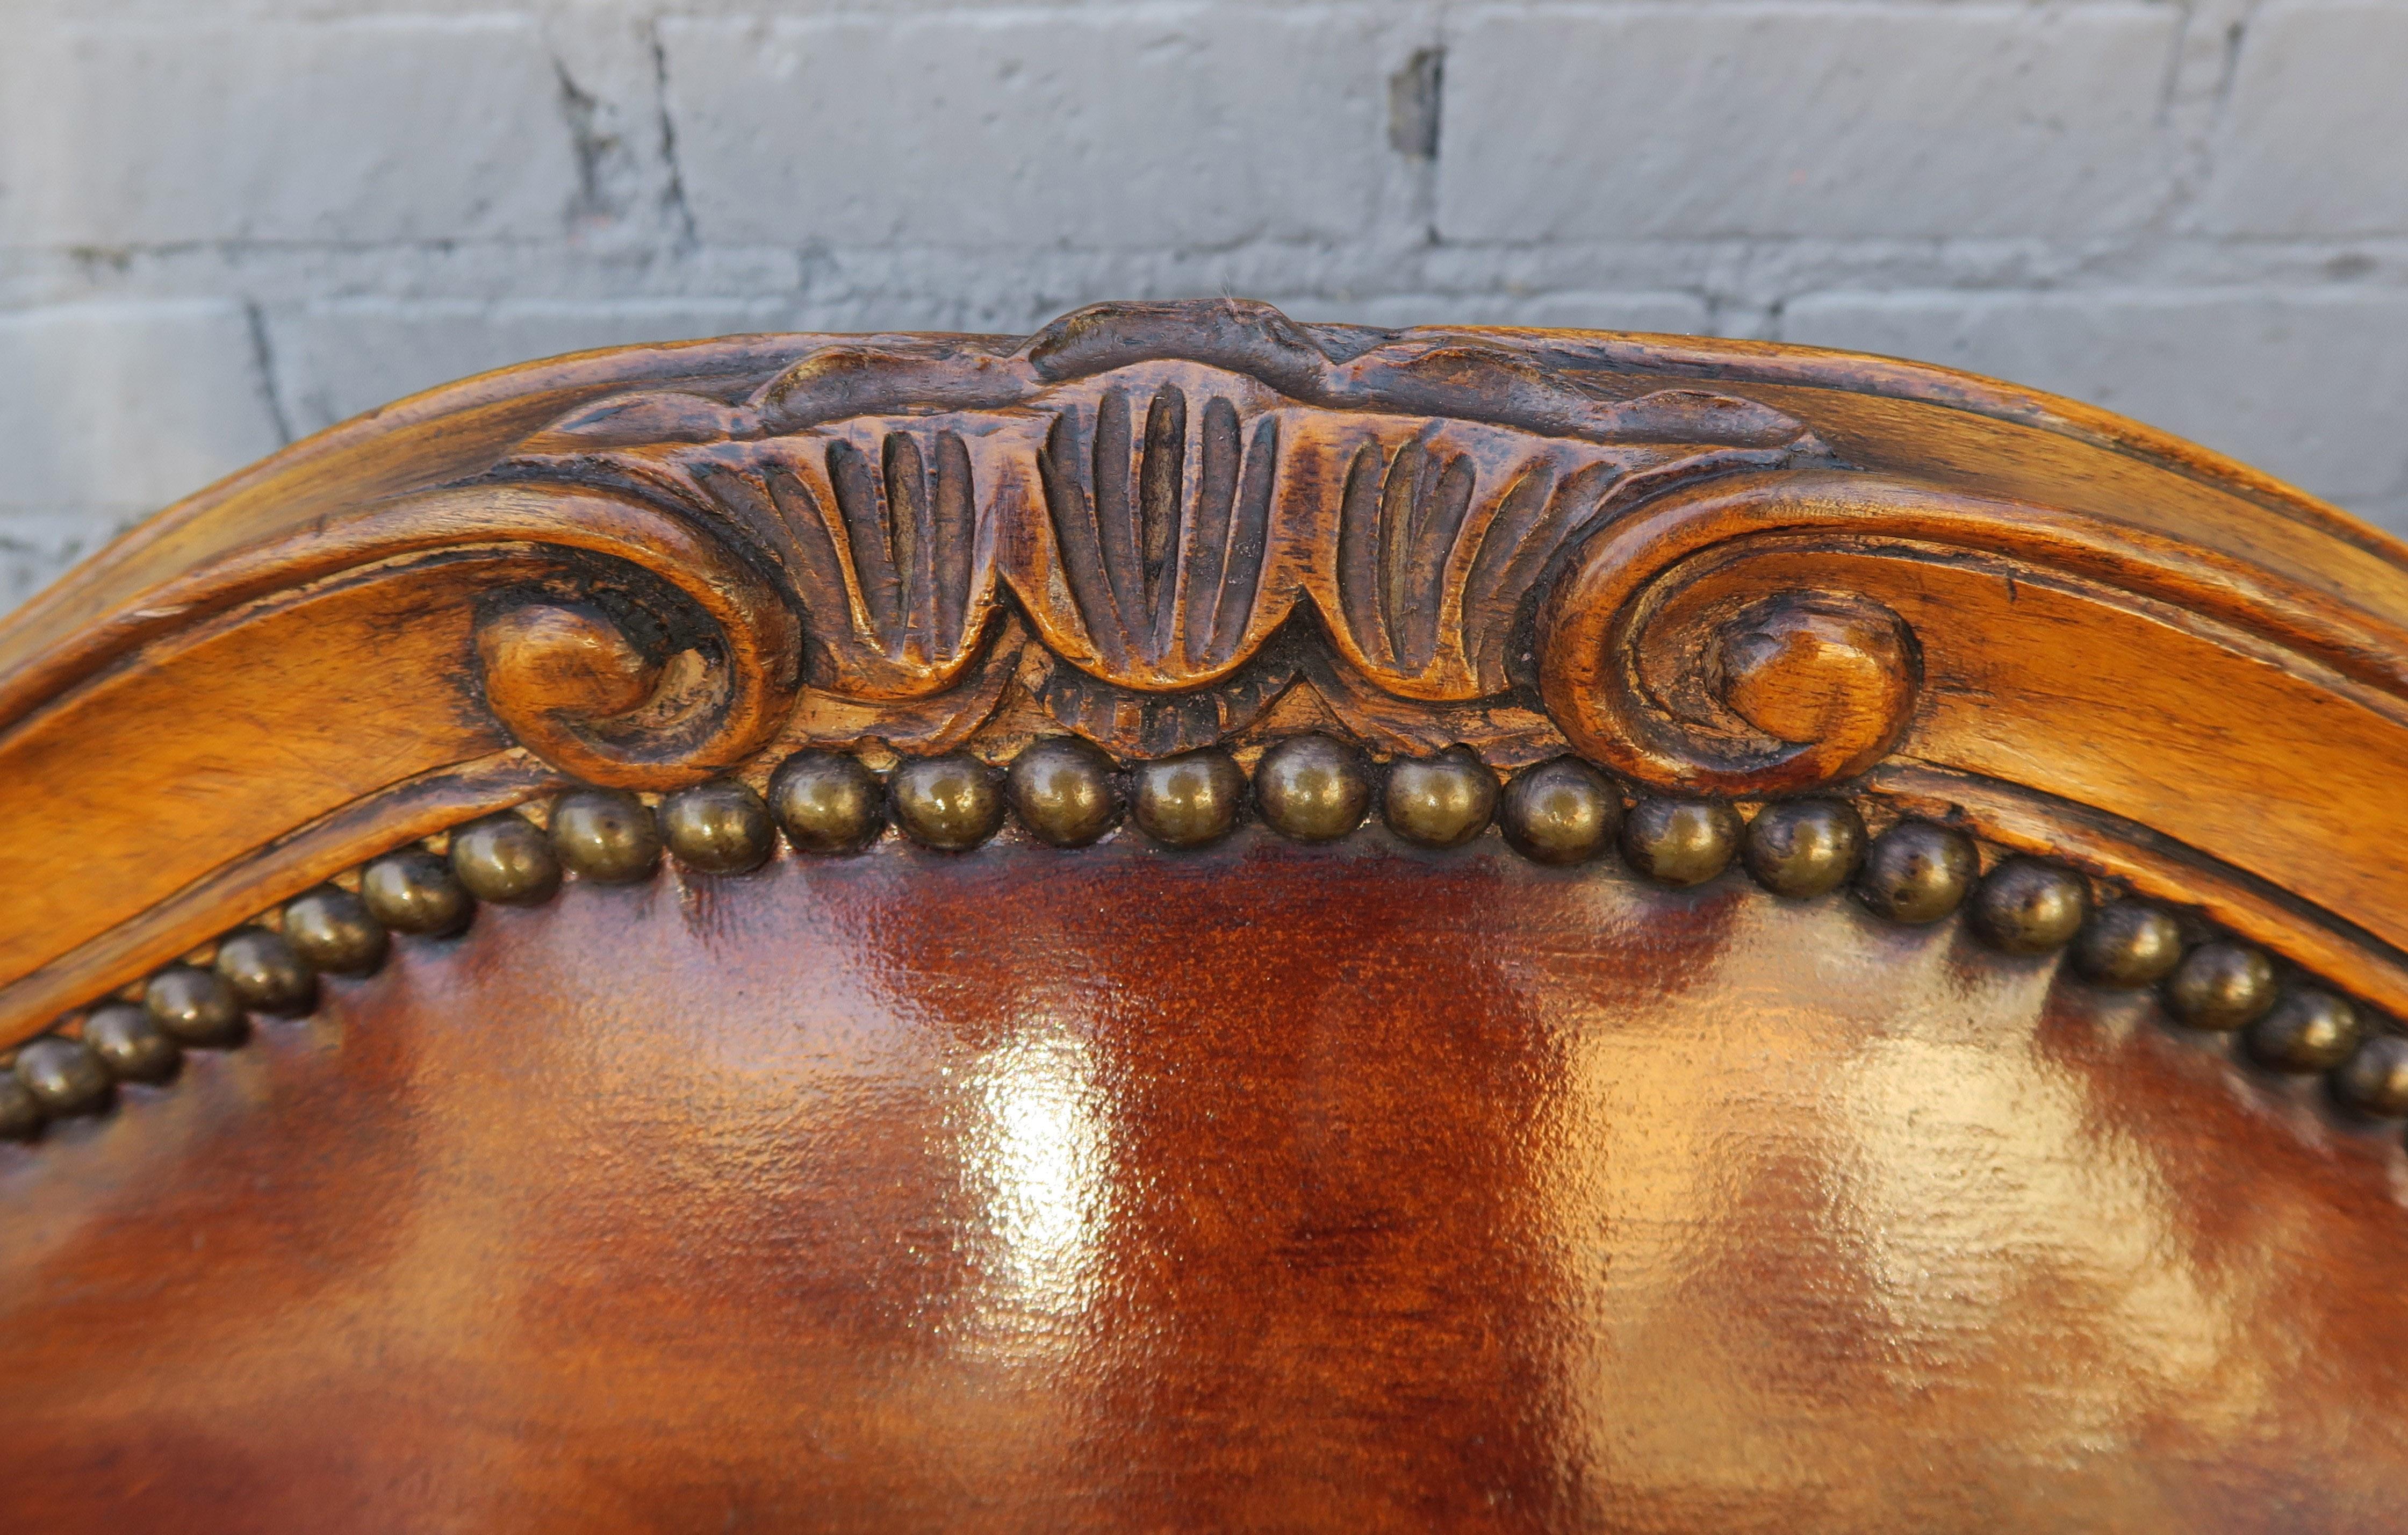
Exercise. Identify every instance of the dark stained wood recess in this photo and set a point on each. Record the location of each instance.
(1195, 921)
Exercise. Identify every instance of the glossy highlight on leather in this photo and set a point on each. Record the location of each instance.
(1263, 1187)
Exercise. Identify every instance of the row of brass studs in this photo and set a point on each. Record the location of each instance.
(1310, 788)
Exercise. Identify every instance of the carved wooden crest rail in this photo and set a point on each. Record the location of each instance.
(1715, 569)
(1000, 995)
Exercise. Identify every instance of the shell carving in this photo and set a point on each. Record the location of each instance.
(878, 527)
(1443, 530)
(907, 538)
(1398, 528)
(1161, 531)
(1183, 532)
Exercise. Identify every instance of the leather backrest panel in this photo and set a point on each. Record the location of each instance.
(1266, 1187)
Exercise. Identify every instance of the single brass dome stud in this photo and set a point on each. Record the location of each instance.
(2374, 1080)
(1188, 801)
(2026, 907)
(1560, 813)
(718, 827)
(1062, 788)
(952, 802)
(2306, 1032)
(265, 972)
(1917, 872)
(66, 1076)
(193, 1007)
(2220, 988)
(2128, 943)
(130, 1043)
(1680, 842)
(506, 859)
(413, 891)
(21, 1112)
(605, 835)
(331, 929)
(826, 802)
(1439, 802)
(1312, 789)
(1801, 848)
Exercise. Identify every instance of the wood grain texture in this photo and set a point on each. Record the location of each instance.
(1271, 1187)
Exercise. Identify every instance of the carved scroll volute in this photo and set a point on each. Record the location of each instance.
(712, 670)
(578, 691)
(542, 661)
(1826, 669)
(1735, 687)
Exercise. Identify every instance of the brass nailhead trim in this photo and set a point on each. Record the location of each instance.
(1068, 793)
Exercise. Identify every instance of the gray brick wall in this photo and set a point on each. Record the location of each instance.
(225, 225)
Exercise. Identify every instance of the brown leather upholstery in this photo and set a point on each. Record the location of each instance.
(1266, 1184)
(1265, 1187)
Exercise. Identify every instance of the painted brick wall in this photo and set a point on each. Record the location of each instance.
(225, 225)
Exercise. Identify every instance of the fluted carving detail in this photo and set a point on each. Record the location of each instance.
(1185, 535)
(1161, 532)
